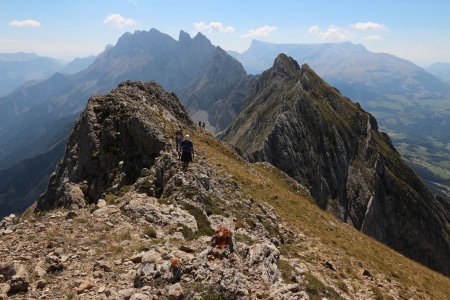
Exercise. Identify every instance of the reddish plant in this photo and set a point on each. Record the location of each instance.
(222, 239)
(175, 262)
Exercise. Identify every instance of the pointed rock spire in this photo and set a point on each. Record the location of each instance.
(285, 65)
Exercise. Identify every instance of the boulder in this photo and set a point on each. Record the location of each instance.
(176, 292)
(73, 195)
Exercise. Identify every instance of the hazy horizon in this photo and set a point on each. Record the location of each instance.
(412, 30)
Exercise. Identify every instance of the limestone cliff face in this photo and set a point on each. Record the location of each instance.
(116, 136)
(303, 126)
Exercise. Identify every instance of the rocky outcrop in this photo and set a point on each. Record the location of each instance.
(305, 127)
(117, 136)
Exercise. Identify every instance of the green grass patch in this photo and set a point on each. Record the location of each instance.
(316, 288)
(212, 206)
(286, 270)
(149, 231)
(110, 199)
(342, 286)
(122, 236)
(243, 238)
(203, 224)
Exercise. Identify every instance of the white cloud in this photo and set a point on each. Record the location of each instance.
(9, 41)
(369, 26)
(372, 37)
(333, 33)
(118, 21)
(25, 23)
(314, 29)
(213, 26)
(259, 32)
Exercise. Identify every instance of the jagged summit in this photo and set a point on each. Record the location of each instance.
(184, 36)
(118, 134)
(285, 65)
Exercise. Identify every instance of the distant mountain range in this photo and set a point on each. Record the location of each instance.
(17, 69)
(440, 70)
(78, 64)
(355, 71)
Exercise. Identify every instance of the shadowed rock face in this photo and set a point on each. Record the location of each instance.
(300, 124)
(118, 135)
(220, 90)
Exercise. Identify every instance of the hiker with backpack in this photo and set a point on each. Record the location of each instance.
(187, 152)
(178, 139)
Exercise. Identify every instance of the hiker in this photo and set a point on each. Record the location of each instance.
(200, 124)
(203, 126)
(178, 139)
(187, 152)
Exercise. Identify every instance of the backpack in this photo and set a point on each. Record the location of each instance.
(186, 146)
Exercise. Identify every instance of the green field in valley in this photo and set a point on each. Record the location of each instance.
(420, 130)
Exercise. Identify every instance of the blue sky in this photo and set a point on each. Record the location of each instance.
(415, 30)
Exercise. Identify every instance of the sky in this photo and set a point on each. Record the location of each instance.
(415, 30)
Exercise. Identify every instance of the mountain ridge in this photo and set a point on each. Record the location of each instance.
(345, 65)
(18, 68)
(306, 128)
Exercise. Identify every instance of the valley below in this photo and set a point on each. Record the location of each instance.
(419, 129)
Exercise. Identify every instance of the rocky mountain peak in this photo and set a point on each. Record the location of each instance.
(285, 65)
(184, 37)
(200, 38)
(118, 134)
(300, 124)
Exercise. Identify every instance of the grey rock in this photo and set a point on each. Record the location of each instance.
(140, 296)
(126, 293)
(176, 292)
(96, 145)
(73, 196)
(150, 256)
(53, 264)
(330, 265)
(40, 271)
(101, 203)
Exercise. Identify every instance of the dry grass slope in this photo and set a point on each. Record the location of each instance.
(348, 247)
